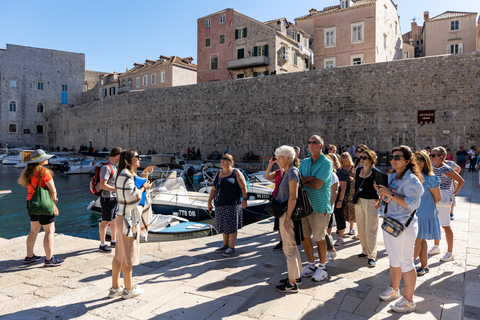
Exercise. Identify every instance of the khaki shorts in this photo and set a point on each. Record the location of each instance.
(316, 224)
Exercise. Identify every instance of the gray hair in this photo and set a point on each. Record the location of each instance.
(287, 152)
(320, 139)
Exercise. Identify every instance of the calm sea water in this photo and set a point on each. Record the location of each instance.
(73, 199)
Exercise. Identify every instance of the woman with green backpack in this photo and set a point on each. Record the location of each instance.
(41, 200)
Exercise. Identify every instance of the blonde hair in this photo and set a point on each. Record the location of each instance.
(427, 167)
(335, 162)
(346, 157)
(230, 157)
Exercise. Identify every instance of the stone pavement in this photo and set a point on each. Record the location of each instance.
(187, 280)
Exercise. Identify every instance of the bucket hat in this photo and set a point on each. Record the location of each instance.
(39, 155)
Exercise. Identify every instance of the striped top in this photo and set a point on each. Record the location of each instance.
(445, 182)
(322, 169)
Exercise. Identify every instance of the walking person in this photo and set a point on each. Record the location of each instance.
(34, 176)
(316, 176)
(447, 175)
(108, 199)
(366, 211)
(290, 230)
(229, 187)
(403, 195)
(428, 224)
(131, 222)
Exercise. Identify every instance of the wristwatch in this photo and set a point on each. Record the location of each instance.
(393, 195)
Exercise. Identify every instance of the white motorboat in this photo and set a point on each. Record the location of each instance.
(84, 167)
(3, 193)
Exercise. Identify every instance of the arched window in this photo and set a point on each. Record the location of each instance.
(40, 107)
(13, 106)
(123, 83)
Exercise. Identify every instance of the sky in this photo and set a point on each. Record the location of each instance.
(115, 34)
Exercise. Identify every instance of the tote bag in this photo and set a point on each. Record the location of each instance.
(41, 203)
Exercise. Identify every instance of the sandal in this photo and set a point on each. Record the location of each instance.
(351, 232)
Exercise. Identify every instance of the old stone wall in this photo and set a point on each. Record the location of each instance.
(375, 104)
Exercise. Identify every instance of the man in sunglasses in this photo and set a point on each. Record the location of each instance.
(316, 176)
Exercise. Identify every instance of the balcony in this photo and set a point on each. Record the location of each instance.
(248, 62)
(124, 89)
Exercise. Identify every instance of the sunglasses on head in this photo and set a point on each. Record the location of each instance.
(226, 159)
(419, 159)
(363, 158)
(313, 142)
(396, 158)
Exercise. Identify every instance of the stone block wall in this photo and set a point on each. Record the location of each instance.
(375, 104)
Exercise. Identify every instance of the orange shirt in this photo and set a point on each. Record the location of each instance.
(34, 182)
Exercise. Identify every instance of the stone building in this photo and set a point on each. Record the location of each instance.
(414, 38)
(231, 45)
(32, 82)
(408, 51)
(450, 33)
(478, 34)
(353, 33)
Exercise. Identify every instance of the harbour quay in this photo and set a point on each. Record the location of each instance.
(187, 280)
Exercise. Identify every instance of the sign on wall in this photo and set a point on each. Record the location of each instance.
(426, 116)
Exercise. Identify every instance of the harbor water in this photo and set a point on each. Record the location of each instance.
(73, 198)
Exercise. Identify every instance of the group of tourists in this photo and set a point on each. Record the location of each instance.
(415, 199)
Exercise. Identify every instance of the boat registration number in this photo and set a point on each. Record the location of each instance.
(187, 213)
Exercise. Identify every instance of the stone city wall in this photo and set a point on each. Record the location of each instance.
(375, 104)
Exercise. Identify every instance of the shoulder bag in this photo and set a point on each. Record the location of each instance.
(304, 207)
(41, 203)
(395, 227)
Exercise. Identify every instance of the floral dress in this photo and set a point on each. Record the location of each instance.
(349, 208)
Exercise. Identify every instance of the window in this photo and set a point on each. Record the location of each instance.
(406, 55)
(241, 33)
(286, 53)
(13, 106)
(330, 37)
(295, 58)
(12, 128)
(112, 91)
(454, 25)
(305, 42)
(129, 82)
(396, 28)
(145, 80)
(123, 82)
(64, 88)
(357, 32)
(260, 51)
(213, 63)
(344, 4)
(64, 94)
(40, 128)
(221, 19)
(207, 42)
(40, 107)
(154, 78)
(221, 39)
(329, 63)
(240, 53)
(455, 48)
(240, 76)
(162, 77)
(306, 64)
(260, 74)
(104, 93)
(13, 84)
(357, 59)
(385, 13)
(207, 23)
(385, 41)
(40, 86)
(138, 82)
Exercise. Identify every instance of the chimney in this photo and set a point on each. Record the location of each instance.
(425, 15)
(313, 11)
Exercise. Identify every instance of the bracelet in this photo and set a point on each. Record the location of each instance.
(244, 199)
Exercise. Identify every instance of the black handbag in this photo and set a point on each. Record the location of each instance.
(395, 227)
(304, 207)
(276, 209)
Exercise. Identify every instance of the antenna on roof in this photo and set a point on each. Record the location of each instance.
(414, 19)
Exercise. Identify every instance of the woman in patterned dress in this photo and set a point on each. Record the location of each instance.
(349, 208)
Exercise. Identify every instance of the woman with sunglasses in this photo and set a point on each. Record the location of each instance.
(447, 175)
(428, 224)
(400, 199)
(229, 187)
(129, 223)
(366, 211)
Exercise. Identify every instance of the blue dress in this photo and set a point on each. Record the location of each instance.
(428, 224)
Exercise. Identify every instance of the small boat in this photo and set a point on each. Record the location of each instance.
(3, 193)
(84, 167)
(170, 228)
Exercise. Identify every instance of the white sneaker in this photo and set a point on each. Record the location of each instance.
(320, 275)
(115, 292)
(434, 250)
(448, 256)
(307, 271)
(331, 255)
(136, 291)
(389, 294)
(403, 305)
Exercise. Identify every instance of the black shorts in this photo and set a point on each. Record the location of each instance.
(109, 207)
(44, 220)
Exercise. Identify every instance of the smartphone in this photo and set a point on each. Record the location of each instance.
(381, 179)
(274, 158)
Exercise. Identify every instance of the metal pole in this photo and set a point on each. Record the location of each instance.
(103, 115)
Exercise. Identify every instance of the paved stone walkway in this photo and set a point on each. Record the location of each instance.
(187, 280)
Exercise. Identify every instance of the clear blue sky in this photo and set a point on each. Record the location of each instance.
(115, 34)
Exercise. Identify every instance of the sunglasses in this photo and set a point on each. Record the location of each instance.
(396, 158)
(363, 158)
(137, 156)
(226, 159)
(313, 142)
(432, 155)
(420, 159)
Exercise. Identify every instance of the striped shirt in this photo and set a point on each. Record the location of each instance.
(322, 170)
(445, 182)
